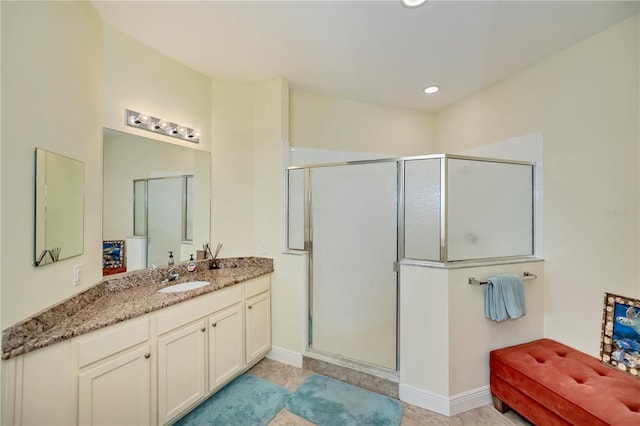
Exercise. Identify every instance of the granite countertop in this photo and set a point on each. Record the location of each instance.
(122, 297)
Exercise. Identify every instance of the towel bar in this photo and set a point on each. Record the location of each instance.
(525, 276)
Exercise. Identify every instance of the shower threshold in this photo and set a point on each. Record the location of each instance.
(367, 376)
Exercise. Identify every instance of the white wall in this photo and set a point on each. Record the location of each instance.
(585, 101)
(331, 123)
(424, 329)
(51, 77)
(445, 338)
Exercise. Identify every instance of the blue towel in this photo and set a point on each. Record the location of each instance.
(504, 297)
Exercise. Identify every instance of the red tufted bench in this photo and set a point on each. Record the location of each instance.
(549, 383)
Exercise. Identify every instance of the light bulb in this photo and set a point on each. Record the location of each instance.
(164, 125)
(153, 125)
(182, 130)
(143, 118)
(195, 134)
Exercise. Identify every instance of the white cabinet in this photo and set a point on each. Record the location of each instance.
(143, 371)
(225, 346)
(39, 387)
(185, 349)
(181, 370)
(114, 376)
(116, 391)
(258, 326)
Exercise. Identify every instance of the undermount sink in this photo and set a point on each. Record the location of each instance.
(177, 288)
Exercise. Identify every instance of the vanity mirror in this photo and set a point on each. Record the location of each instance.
(156, 201)
(59, 207)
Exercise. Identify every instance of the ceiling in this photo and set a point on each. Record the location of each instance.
(373, 51)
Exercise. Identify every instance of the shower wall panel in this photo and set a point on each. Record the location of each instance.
(422, 209)
(489, 209)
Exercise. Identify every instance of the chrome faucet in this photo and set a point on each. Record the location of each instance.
(171, 275)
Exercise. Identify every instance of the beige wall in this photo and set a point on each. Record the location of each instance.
(78, 67)
(327, 122)
(232, 169)
(271, 120)
(585, 102)
(50, 99)
(250, 125)
(139, 78)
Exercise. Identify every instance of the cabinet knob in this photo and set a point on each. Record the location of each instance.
(249, 306)
(147, 355)
(203, 329)
(214, 324)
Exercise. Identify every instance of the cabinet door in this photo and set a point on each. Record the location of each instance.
(181, 370)
(39, 387)
(116, 391)
(225, 346)
(258, 326)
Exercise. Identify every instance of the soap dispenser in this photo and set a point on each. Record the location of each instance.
(192, 265)
(170, 259)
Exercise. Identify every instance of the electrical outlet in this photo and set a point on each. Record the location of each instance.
(77, 275)
(263, 247)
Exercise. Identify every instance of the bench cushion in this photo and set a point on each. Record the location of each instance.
(576, 387)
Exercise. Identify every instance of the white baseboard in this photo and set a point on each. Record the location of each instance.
(285, 356)
(424, 399)
(469, 400)
(445, 405)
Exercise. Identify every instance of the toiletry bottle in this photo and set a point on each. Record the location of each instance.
(192, 265)
(170, 258)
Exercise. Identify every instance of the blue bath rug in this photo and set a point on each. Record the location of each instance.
(329, 402)
(246, 401)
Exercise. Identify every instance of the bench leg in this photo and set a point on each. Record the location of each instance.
(499, 404)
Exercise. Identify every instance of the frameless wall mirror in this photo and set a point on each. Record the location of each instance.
(156, 201)
(59, 207)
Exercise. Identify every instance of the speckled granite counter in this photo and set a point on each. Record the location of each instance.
(122, 297)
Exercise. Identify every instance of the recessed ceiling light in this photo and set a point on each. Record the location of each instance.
(431, 89)
(412, 3)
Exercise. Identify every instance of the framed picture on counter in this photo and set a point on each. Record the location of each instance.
(113, 260)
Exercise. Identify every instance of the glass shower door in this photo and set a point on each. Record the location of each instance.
(164, 219)
(354, 247)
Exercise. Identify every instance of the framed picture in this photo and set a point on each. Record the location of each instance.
(113, 260)
(620, 337)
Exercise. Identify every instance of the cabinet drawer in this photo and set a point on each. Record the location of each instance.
(103, 343)
(257, 285)
(199, 307)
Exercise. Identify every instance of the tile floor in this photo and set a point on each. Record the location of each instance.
(291, 377)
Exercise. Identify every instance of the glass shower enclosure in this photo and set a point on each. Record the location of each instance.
(359, 220)
(163, 214)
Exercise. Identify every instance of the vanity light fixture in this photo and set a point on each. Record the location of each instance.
(412, 3)
(162, 126)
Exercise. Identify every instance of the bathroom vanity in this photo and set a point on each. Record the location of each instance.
(133, 355)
